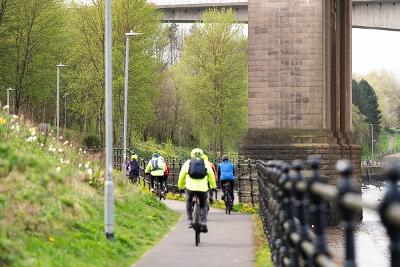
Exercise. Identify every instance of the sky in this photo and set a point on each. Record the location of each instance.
(376, 50)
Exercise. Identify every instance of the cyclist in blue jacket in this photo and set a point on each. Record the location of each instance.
(226, 174)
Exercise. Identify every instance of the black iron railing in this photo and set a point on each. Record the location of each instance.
(245, 185)
(288, 200)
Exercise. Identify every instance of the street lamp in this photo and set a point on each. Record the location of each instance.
(108, 186)
(127, 35)
(58, 100)
(8, 98)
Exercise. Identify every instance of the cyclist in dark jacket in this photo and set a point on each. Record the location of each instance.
(133, 168)
(226, 174)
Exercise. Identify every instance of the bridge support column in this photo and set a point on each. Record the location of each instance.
(300, 83)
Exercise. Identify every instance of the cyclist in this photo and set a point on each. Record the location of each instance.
(226, 174)
(195, 176)
(156, 169)
(215, 175)
(133, 168)
(166, 173)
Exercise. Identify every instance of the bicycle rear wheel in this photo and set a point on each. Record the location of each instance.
(197, 224)
(197, 236)
(228, 204)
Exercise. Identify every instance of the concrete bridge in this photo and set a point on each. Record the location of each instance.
(369, 14)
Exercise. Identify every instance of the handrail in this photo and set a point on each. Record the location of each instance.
(288, 199)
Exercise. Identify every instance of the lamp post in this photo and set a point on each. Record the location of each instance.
(108, 186)
(58, 100)
(127, 35)
(8, 98)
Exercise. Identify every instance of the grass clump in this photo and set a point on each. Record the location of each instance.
(263, 253)
(51, 206)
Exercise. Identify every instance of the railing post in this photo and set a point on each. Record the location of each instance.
(251, 182)
(302, 208)
(391, 197)
(345, 186)
(287, 189)
(172, 169)
(238, 179)
(319, 207)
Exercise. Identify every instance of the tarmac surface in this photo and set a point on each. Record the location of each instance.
(228, 243)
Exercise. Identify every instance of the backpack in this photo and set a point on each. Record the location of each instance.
(197, 169)
(154, 164)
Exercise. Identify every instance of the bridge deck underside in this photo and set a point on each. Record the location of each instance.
(372, 14)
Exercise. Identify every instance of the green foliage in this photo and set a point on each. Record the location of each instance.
(31, 41)
(91, 141)
(361, 130)
(263, 253)
(387, 88)
(365, 99)
(214, 58)
(86, 78)
(44, 209)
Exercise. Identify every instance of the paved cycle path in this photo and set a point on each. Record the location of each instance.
(228, 243)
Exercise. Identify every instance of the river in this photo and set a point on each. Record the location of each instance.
(371, 239)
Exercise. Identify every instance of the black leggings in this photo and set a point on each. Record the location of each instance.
(160, 179)
(203, 204)
(232, 184)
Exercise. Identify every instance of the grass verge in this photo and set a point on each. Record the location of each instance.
(263, 254)
(51, 206)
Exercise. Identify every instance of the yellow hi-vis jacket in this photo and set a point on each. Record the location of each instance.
(196, 184)
(161, 168)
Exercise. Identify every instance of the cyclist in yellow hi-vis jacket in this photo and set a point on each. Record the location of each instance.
(195, 176)
(156, 168)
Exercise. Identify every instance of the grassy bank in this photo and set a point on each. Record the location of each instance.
(263, 254)
(51, 206)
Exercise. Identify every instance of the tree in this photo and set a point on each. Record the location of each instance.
(365, 99)
(387, 88)
(361, 129)
(87, 59)
(30, 47)
(215, 57)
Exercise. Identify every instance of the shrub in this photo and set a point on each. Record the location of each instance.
(91, 141)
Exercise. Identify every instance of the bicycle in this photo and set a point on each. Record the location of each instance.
(197, 218)
(228, 198)
(158, 190)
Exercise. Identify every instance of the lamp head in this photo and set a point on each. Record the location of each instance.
(131, 33)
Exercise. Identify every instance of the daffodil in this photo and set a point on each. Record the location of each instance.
(2, 121)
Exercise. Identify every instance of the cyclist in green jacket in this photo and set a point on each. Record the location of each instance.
(195, 176)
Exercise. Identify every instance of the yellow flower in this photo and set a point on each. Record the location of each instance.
(51, 239)
(2, 121)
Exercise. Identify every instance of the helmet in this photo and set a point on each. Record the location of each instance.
(225, 157)
(135, 157)
(197, 153)
(155, 155)
(205, 157)
(162, 158)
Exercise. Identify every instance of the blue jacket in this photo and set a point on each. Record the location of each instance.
(226, 171)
